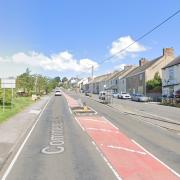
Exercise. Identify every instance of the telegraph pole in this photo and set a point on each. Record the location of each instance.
(92, 71)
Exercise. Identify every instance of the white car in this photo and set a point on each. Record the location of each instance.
(125, 96)
(58, 93)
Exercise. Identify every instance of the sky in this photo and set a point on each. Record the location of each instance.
(67, 37)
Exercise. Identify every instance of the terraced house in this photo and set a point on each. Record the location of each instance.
(171, 78)
(136, 80)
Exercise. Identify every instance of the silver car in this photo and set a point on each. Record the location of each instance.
(139, 98)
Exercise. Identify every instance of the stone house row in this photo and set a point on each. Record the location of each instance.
(132, 79)
(171, 78)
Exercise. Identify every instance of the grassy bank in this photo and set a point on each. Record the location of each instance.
(18, 105)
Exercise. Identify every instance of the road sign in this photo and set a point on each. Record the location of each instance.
(8, 83)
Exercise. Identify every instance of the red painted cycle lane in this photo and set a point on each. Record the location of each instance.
(129, 160)
(71, 101)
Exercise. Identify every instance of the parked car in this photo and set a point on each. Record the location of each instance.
(139, 98)
(177, 94)
(115, 95)
(58, 93)
(87, 93)
(124, 95)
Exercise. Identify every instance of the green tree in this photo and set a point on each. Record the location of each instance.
(26, 82)
(155, 84)
(64, 79)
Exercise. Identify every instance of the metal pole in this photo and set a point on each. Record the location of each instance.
(4, 98)
(12, 98)
(92, 72)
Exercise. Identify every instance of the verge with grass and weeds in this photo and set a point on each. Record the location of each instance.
(19, 104)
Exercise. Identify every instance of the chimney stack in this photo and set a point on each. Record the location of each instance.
(142, 61)
(168, 52)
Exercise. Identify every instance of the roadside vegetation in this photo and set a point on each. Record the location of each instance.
(27, 84)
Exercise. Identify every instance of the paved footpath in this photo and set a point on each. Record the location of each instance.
(13, 130)
(126, 158)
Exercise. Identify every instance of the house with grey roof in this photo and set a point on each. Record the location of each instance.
(136, 80)
(96, 84)
(171, 77)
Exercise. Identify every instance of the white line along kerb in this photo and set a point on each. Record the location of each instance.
(22, 145)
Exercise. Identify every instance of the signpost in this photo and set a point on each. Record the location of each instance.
(8, 83)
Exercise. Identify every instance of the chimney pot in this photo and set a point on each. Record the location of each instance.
(142, 61)
(168, 52)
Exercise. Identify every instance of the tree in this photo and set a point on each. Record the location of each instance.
(26, 82)
(57, 79)
(64, 79)
(155, 84)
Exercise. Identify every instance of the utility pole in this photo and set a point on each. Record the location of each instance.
(92, 71)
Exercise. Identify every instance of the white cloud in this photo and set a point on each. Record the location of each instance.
(63, 61)
(122, 43)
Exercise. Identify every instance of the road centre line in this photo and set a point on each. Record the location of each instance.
(107, 162)
(173, 171)
(110, 123)
(24, 142)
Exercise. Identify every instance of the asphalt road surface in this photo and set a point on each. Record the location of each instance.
(73, 157)
(160, 142)
(59, 149)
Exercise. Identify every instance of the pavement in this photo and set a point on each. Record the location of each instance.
(13, 131)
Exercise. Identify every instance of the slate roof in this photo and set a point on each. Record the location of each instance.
(176, 61)
(141, 69)
(99, 78)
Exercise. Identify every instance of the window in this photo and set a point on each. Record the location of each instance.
(171, 73)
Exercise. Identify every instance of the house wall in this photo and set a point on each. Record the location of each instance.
(136, 84)
(170, 80)
(157, 67)
(122, 85)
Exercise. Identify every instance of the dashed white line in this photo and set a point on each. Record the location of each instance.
(107, 162)
(173, 171)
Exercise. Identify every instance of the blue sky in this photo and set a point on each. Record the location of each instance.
(64, 37)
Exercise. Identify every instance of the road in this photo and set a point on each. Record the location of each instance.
(160, 142)
(64, 147)
(79, 160)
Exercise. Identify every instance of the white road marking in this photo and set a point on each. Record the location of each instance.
(70, 110)
(47, 150)
(110, 122)
(101, 129)
(173, 171)
(126, 149)
(107, 162)
(93, 110)
(79, 124)
(22, 145)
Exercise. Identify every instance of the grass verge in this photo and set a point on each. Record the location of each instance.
(18, 105)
